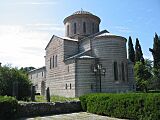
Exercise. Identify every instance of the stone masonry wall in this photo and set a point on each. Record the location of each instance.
(61, 78)
(38, 78)
(36, 109)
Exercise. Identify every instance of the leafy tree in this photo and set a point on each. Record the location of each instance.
(156, 61)
(8, 76)
(156, 51)
(138, 52)
(131, 53)
(143, 75)
(156, 79)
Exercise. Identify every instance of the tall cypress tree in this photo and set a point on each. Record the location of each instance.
(156, 51)
(131, 54)
(138, 52)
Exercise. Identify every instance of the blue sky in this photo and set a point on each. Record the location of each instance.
(26, 26)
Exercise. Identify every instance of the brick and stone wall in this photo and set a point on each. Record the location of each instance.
(38, 78)
(61, 77)
(85, 77)
(28, 109)
(110, 49)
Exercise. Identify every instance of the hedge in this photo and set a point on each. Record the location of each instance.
(8, 107)
(137, 106)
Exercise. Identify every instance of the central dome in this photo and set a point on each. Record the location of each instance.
(81, 24)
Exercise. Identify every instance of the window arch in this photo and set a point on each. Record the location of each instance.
(93, 28)
(42, 74)
(50, 62)
(56, 61)
(75, 28)
(67, 30)
(115, 71)
(84, 27)
(53, 62)
(123, 72)
(126, 66)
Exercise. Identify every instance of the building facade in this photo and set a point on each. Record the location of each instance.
(86, 60)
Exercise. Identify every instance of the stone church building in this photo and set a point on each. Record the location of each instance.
(86, 60)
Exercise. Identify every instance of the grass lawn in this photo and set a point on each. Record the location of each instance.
(54, 99)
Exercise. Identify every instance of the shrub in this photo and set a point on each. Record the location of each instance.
(143, 106)
(8, 107)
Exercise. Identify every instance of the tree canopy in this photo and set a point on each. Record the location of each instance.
(8, 76)
(143, 75)
(156, 51)
(138, 52)
(131, 53)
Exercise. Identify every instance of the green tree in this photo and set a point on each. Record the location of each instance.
(156, 61)
(10, 75)
(156, 51)
(131, 53)
(143, 75)
(156, 79)
(138, 52)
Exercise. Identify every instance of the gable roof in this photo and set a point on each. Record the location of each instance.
(96, 34)
(49, 41)
(41, 68)
(63, 38)
(81, 55)
(109, 35)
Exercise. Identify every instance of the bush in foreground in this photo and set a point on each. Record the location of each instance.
(8, 107)
(131, 106)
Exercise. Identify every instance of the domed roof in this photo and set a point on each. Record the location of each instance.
(82, 12)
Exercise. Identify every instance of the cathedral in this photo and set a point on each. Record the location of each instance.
(86, 60)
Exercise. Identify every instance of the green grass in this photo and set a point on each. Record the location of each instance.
(40, 98)
(54, 99)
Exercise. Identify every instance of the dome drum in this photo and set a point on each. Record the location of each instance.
(81, 24)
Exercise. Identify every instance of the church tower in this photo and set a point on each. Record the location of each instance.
(81, 24)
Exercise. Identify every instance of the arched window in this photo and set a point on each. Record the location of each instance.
(115, 71)
(97, 28)
(56, 61)
(84, 27)
(92, 27)
(67, 30)
(68, 68)
(123, 72)
(127, 71)
(75, 28)
(53, 62)
(50, 62)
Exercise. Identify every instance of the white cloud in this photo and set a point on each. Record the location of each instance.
(46, 27)
(24, 45)
(43, 3)
(38, 3)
